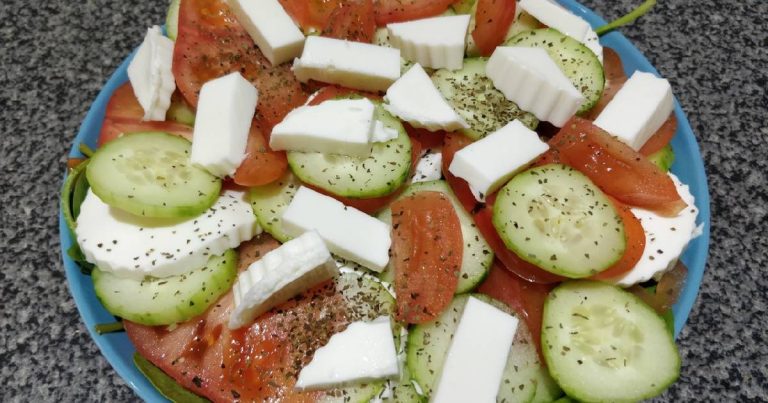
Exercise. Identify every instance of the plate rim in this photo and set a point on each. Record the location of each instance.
(117, 349)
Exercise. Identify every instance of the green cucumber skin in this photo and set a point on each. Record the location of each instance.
(270, 201)
(522, 216)
(657, 367)
(663, 158)
(170, 300)
(125, 180)
(577, 61)
(380, 174)
(172, 19)
(477, 257)
(464, 89)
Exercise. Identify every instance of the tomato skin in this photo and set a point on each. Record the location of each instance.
(454, 142)
(353, 20)
(635, 235)
(426, 253)
(493, 20)
(427, 138)
(404, 10)
(525, 298)
(661, 138)
(261, 165)
(616, 168)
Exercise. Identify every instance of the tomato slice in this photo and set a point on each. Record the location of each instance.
(616, 168)
(124, 114)
(661, 138)
(261, 165)
(427, 253)
(454, 142)
(404, 10)
(635, 235)
(427, 138)
(353, 20)
(525, 298)
(211, 43)
(493, 18)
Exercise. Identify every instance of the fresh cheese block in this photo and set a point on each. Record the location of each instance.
(436, 42)
(638, 110)
(475, 362)
(347, 231)
(415, 99)
(363, 352)
(271, 28)
(281, 274)
(491, 161)
(665, 238)
(355, 65)
(343, 126)
(557, 17)
(532, 80)
(382, 133)
(134, 247)
(151, 76)
(223, 120)
(429, 167)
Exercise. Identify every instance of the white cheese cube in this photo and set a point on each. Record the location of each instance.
(665, 238)
(381, 133)
(271, 28)
(638, 110)
(363, 352)
(477, 356)
(343, 126)
(280, 275)
(224, 114)
(355, 65)
(429, 167)
(491, 161)
(347, 231)
(415, 99)
(131, 246)
(151, 76)
(436, 42)
(532, 80)
(554, 16)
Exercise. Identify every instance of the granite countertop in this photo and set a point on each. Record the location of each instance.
(55, 56)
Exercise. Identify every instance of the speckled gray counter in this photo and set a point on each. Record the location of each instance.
(55, 55)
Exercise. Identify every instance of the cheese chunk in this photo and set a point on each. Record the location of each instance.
(665, 238)
(134, 247)
(343, 126)
(638, 110)
(415, 99)
(532, 80)
(436, 42)
(475, 362)
(557, 17)
(151, 76)
(429, 167)
(364, 352)
(224, 113)
(355, 65)
(491, 161)
(271, 28)
(347, 231)
(280, 275)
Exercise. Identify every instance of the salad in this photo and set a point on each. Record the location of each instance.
(439, 200)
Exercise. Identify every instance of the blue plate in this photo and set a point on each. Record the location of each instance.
(688, 167)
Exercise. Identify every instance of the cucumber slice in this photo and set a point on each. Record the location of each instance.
(474, 97)
(380, 174)
(477, 256)
(149, 174)
(663, 158)
(556, 218)
(428, 345)
(164, 301)
(172, 20)
(602, 343)
(270, 201)
(577, 61)
(180, 111)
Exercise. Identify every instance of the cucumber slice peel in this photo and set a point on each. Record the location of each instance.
(270, 201)
(602, 343)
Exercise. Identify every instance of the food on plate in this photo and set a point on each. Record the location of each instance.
(386, 201)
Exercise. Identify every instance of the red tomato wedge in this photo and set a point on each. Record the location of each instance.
(124, 115)
(661, 138)
(635, 235)
(261, 165)
(617, 169)
(454, 142)
(343, 19)
(493, 18)
(404, 10)
(427, 138)
(525, 298)
(211, 44)
(426, 252)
